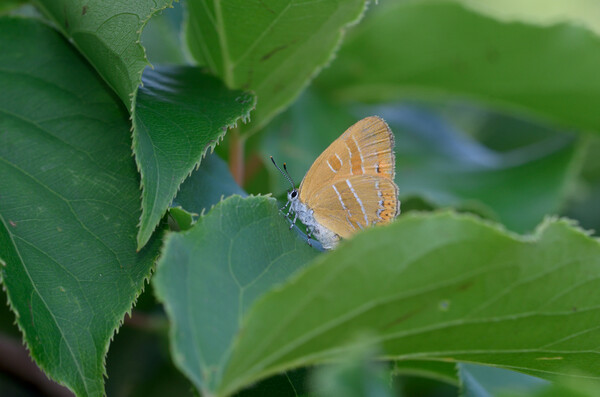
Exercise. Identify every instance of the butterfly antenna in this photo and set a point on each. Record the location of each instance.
(287, 176)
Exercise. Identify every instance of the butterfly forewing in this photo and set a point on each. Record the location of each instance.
(366, 148)
(351, 184)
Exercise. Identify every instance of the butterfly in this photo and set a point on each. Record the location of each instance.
(350, 186)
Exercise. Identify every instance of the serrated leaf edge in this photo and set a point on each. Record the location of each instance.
(245, 118)
(549, 221)
(144, 282)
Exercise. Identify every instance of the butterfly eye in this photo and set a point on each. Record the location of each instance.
(294, 194)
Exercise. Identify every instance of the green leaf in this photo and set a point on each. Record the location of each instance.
(439, 286)
(177, 115)
(209, 275)
(271, 47)
(512, 66)
(181, 112)
(108, 34)
(438, 162)
(207, 185)
(69, 205)
(179, 219)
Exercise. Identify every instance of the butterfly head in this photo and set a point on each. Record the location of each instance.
(293, 195)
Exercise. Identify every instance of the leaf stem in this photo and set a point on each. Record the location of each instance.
(236, 156)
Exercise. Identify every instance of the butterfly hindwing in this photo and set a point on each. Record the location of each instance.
(357, 202)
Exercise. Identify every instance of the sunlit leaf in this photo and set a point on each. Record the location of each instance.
(271, 47)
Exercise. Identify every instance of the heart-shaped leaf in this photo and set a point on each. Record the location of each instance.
(210, 275)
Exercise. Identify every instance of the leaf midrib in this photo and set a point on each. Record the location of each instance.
(325, 281)
(250, 376)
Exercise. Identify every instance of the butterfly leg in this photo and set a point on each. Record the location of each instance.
(294, 221)
(284, 207)
(308, 237)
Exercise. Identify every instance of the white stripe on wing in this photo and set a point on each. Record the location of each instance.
(359, 202)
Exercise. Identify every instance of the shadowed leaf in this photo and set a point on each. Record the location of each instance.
(181, 113)
(69, 205)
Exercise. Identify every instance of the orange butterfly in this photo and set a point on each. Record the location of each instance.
(350, 186)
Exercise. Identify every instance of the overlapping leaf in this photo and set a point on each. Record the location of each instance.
(210, 275)
(69, 205)
(181, 113)
(108, 34)
(178, 113)
(438, 286)
(271, 47)
(438, 49)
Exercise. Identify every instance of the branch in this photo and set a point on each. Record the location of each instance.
(15, 360)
